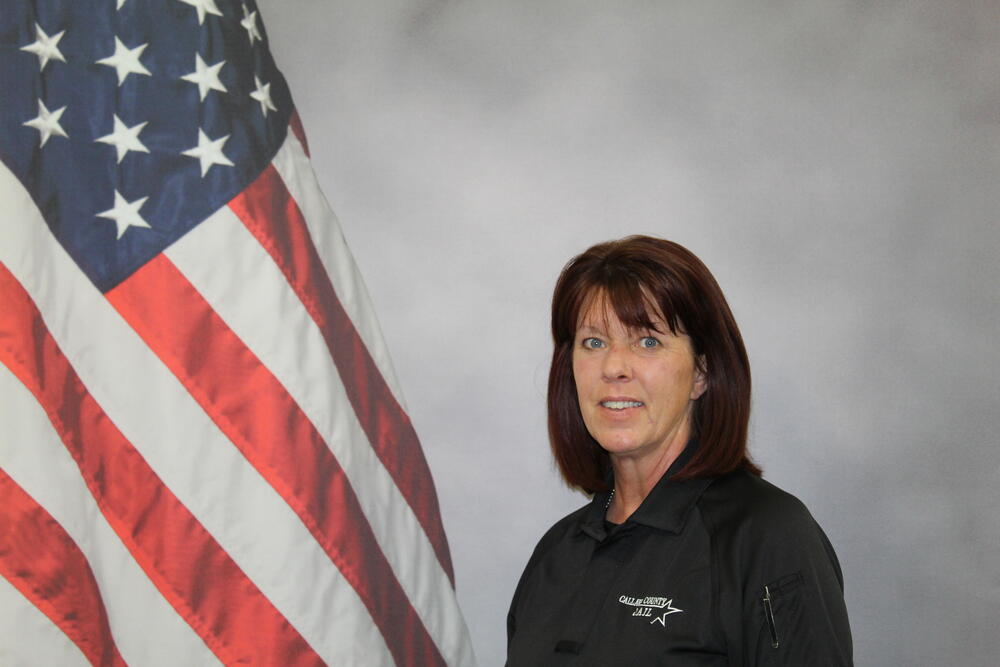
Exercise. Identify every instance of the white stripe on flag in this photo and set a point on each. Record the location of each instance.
(248, 297)
(184, 447)
(19, 619)
(133, 603)
(295, 169)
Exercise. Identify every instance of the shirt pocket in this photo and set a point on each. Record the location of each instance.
(779, 605)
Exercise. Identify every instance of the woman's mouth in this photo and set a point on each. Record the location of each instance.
(621, 405)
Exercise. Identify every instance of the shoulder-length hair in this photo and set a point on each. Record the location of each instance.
(638, 276)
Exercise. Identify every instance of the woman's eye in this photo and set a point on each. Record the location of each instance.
(592, 343)
(648, 342)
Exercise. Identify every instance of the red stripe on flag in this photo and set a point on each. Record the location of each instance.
(255, 411)
(187, 565)
(42, 561)
(274, 218)
(295, 123)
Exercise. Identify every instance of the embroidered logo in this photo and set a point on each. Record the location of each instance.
(651, 606)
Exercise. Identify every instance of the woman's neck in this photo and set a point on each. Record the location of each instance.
(635, 477)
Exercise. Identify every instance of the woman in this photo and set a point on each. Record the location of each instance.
(684, 556)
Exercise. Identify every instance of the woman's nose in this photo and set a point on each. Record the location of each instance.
(616, 365)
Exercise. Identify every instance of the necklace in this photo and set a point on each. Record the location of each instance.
(610, 498)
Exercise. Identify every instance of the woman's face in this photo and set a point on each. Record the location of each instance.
(635, 387)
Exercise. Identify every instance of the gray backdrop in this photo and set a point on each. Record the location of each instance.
(835, 164)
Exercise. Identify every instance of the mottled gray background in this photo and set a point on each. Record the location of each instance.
(836, 164)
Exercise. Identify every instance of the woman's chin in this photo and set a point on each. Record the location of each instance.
(626, 448)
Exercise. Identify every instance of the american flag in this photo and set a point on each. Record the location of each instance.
(204, 456)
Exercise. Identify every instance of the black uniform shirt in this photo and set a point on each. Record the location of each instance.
(712, 571)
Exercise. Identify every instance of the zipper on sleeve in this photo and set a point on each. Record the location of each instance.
(769, 615)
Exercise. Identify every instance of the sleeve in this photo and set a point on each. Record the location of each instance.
(512, 614)
(794, 611)
(522, 594)
(515, 603)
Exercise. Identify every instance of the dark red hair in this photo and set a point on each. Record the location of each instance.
(640, 277)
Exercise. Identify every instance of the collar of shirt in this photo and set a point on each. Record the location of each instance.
(666, 507)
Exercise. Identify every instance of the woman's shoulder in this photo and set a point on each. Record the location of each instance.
(747, 503)
(558, 531)
(555, 536)
(767, 531)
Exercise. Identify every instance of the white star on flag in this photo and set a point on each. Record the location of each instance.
(121, 3)
(124, 138)
(263, 95)
(47, 122)
(249, 22)
(125, 60)
(208, 152)
(207, 77)
(126, 213)
(45, 47)
(203, 7)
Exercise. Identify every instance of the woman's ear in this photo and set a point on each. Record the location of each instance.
(700, 377)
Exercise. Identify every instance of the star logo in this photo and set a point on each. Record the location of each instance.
(670, 609)
(643, 607)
